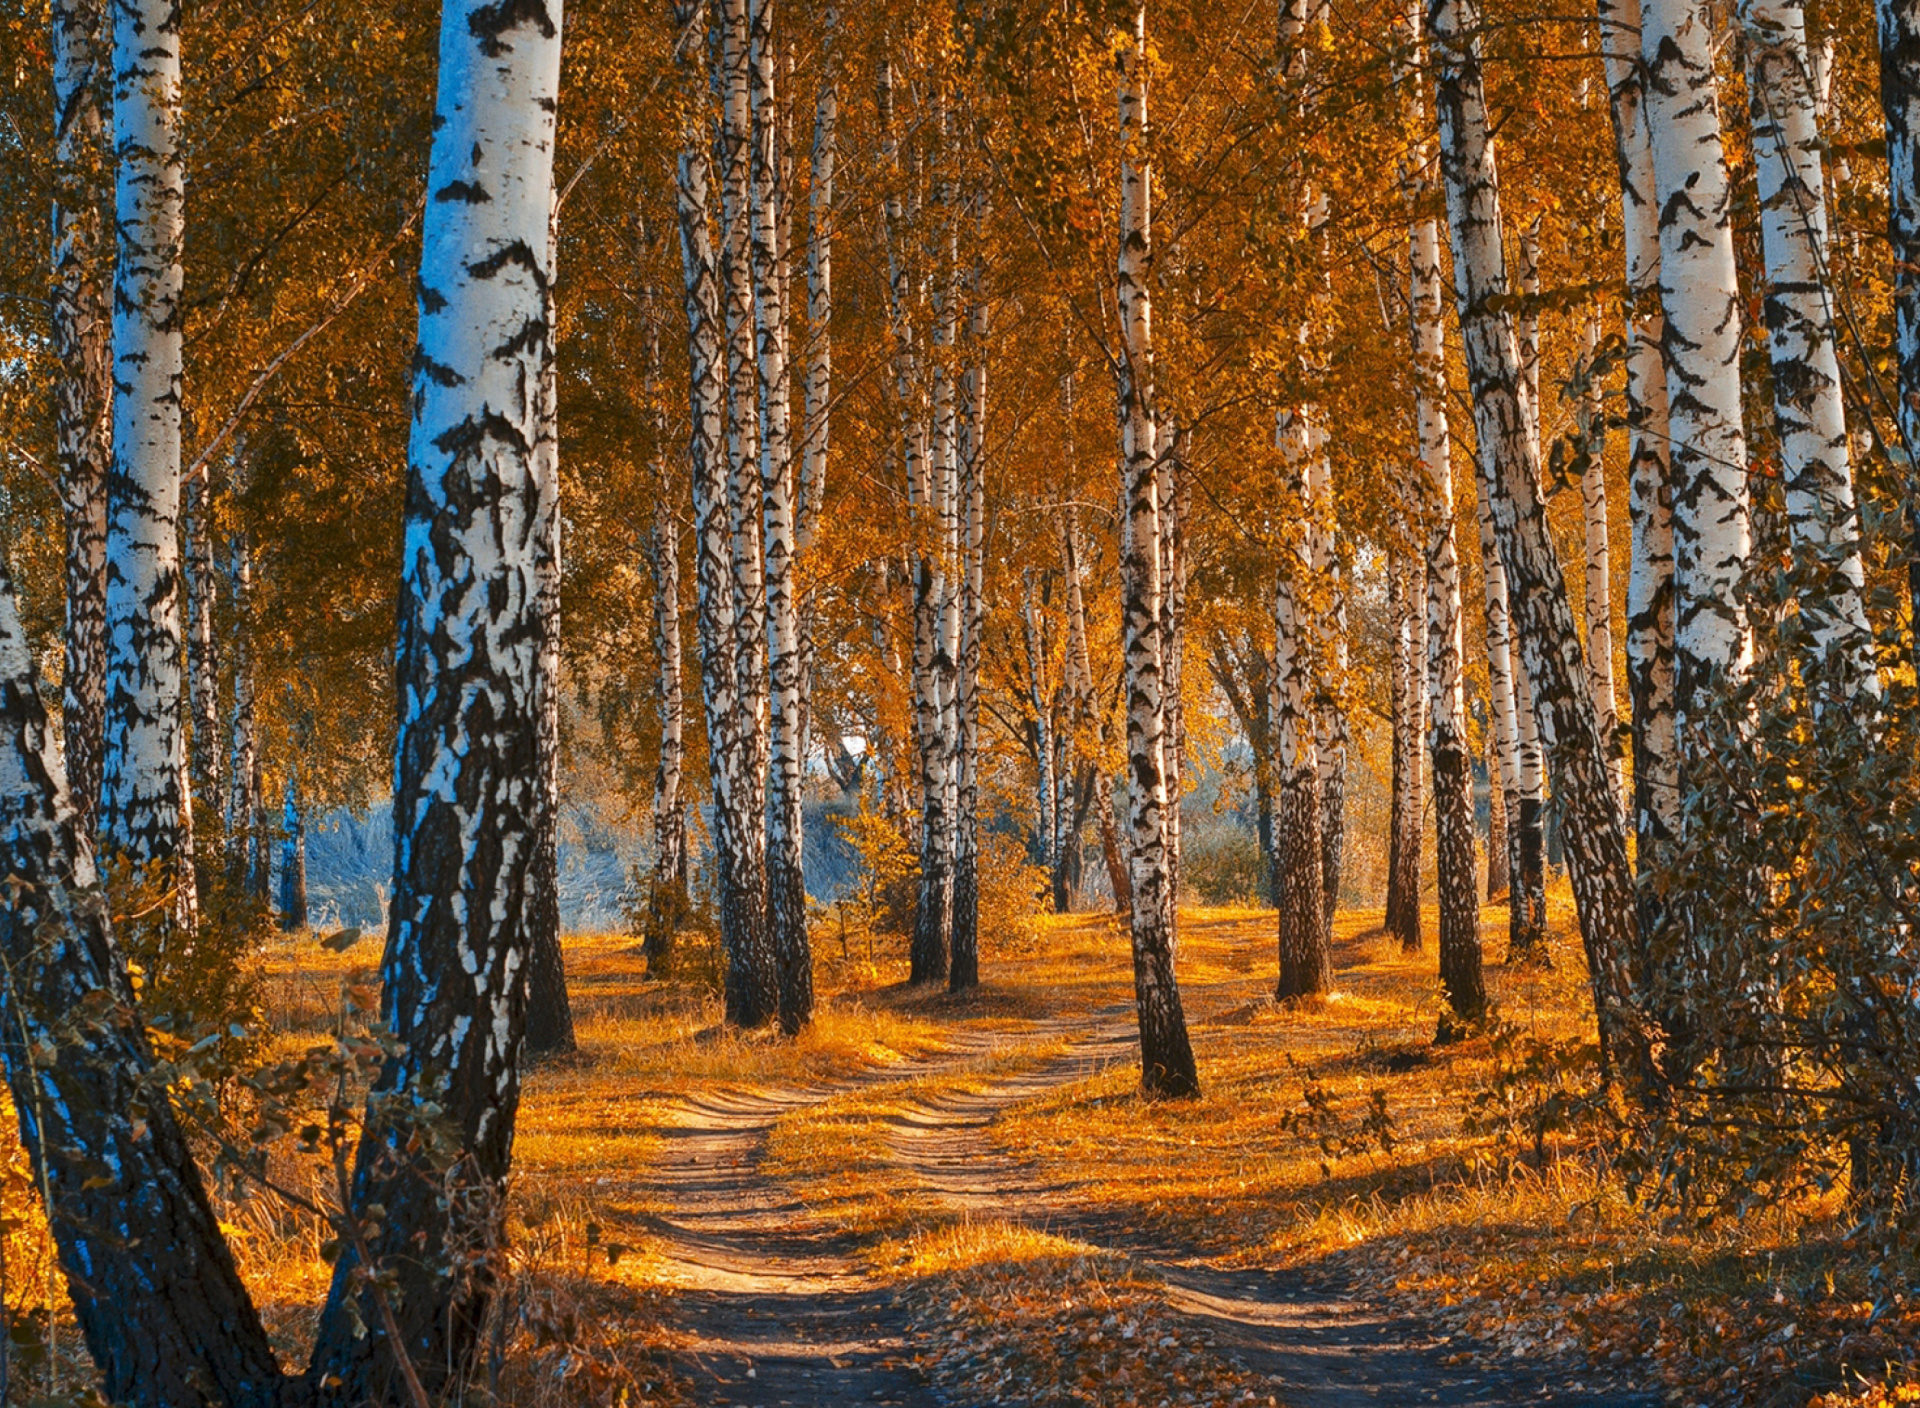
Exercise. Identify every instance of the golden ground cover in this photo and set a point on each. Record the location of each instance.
(1332, 1137)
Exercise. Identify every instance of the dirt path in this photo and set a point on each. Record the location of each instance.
(781, 1311)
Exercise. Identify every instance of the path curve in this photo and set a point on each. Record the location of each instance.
(780, 1310)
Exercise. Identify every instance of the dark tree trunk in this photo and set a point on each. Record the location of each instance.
(1899, 22)
(162, 1308)
(1407, 616)
(82, 389)
(549, 1012)
(293, 859)
(1499, 846)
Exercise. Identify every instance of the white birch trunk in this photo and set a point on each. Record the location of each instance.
(1809, 413)
(786, 879)
(1329, 719)
(817, 419)
(1526, 821)
(472, 664)
(1306, 960)
(83, 389)
(1461, 968)
(1166, 1056)
(734, 86)
(141, 804)
(1700, 301)
(964, 969)
(1599, 555)
(1649, 614)
(752, 982)
(1596, 843)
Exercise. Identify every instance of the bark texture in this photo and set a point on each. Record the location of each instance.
(1407, 618)
(1649, 611)
(471, 668)
(737, 827)
(753, 973)
(1596, 842)
(80, 329)
(1700, 343)
(1899, 23)
(1809, 413)
(1166, 1056)
(786, 878)
(141, 803)
(160, 1303)
(1461, 969)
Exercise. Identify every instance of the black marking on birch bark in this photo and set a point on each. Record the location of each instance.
(466, 192)
(489, 22)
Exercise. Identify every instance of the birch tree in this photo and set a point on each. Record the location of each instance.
(1166, 1056)
(1306, 957)
(1461, 969)
(1407, 619)
(786, 879)
(1808, 411)
(471, 667)
(82, 388)
(752, 981)
(667, 899)
(1596, 849)
(1899, 28)
(964, 968)
(161, 1304)
(141, 803)
(1700, 341)
(1596, 534)
(1649, 608)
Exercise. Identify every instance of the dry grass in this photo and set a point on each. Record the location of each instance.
(1330, 1137)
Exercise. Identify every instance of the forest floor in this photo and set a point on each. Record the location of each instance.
(929, 1199)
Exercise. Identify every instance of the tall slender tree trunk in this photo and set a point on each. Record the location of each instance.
(141, 802)
(1899, 24)
(1461, 970)
(1596, 842)
(1306, 958)
(1088, 718)
(786, 876)
(667, 902)
(737, 828)
(82, 388)
(753, 971)
(1649, 618)
(1599, 554)
(1526, 820)
(1809, 414)
(1700, 301)
(1175, 489)
(245, 820)
(1040, 701)
(964, 970)
(1407, 615)
(472, 664)
(161, 1305)
(1499, 850)
(549, 1012)
(1166, 1056)
(203, 655)
(1330, 716)
(817, 410)
(293, 857)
